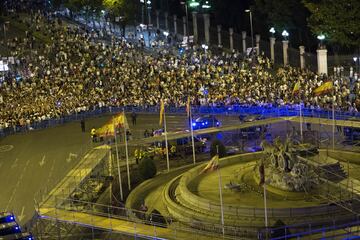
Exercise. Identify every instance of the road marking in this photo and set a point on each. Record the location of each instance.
(71, 157)
(17, 183)
(22, 215)
(42, 162)
(6, 148)
(15, 164)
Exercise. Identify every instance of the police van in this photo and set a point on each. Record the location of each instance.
(6, 217)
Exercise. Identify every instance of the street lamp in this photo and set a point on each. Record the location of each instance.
(272, 31)
(285, 34)
(357, 63)
(142, 10)
(148, 3)
(251, 28)
(206, 5)
(194, 4)
(187, 19)
(321, 38)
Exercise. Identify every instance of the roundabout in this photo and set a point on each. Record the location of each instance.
(192, 197)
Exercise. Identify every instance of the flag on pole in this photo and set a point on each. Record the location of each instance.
(188, 107)
(162, 110)
(296, 89)
(212, 165)
(323, 89)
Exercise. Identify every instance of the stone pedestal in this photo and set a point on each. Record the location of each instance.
(272, 48)
(194, 17)
(257, 39)
(175, 24)
(184, 26)
(231, 32)
(157, 19)
(243, 35)
(322, 61)
(207, 28)
(219, 35)
(166, 14)
(302, 57)
(285, 52)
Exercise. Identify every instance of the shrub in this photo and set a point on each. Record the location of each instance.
(220, 146)
(147, 168)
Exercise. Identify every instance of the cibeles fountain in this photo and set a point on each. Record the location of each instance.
(303, 184)
(296, 167)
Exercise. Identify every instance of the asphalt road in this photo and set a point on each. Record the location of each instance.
(35, 161)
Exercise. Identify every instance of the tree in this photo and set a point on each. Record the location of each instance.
(126, 9)
(147, 168)
(285, 14)
(337, 20)
(217, 147)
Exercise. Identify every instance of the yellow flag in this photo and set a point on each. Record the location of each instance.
(296, 88)
(325, 88)
(162, 110)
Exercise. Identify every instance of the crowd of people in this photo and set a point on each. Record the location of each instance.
(76, 71)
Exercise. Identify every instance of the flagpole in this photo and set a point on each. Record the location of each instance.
(333, 118)
(166, 143)
(221, 202)
(265, 208)
(117, 162)
(333, 125)
(192, 136)
(127, 153)
(301, 123)
(221, 197)
(110, 175)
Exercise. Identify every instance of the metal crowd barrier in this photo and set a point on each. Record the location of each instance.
(265, 111)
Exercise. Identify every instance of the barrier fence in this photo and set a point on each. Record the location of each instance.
(265, 112)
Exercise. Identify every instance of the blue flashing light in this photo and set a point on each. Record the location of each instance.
(202, 124)
(206, 123)
(217, 123)
(194, 124)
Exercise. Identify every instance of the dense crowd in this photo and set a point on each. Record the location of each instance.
(76, 71)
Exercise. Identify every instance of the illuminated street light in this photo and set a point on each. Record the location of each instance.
(194, 4)
(321, 37)
(285, 34)
(166, 34)
(206, 5)
(272, 30)
(251, 28)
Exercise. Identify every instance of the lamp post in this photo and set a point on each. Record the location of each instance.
(148, 3)
(272, 44)
(357, 63)
(285, 35)
(321, 38)
(251, 29)
(142, 10)
(187, 19)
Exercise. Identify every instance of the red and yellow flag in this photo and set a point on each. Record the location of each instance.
(325, 88)
(162, 111)
(212, 165)
(296, 89)
(109, 128)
